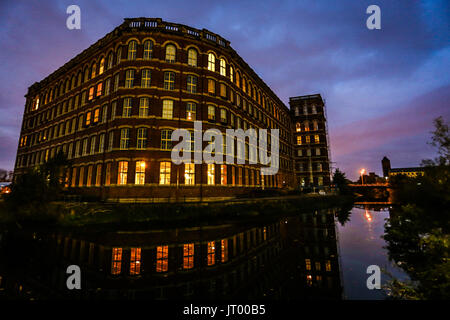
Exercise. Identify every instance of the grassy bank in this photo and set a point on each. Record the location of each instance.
(60, 214)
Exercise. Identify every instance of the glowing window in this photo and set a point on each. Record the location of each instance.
(188, 256)
(222, 67)
(167, 111)
(162, 258)
(189, 173)
(123, 172)
(224, 250)
(223, 174)
(192, 57)
(211, 62)
(164, 173)
(170, 53)
(211, 173)
(116, 263)
(102, 66)
(211, 253)
(191, 111)
(135, 261)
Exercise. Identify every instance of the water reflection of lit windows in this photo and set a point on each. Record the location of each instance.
(308, 264)
(328, 265)
(135, 261)
(224, 250)
(188, 256)
(162, 258)
(265, 233)
(309, 280)
(317, 265)
(116, 264)
(211, 253)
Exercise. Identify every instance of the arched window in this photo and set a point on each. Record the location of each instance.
(170, 53)
(211, 62)
(132, 50)
(192, 57)
(298, 127)
(222, 67)
(119, 55)
(102, 66)
(148, 49)
(110, 60)
(306, 124)
(94, 68)
(231, 74)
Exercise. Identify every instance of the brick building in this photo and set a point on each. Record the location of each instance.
(112, 109)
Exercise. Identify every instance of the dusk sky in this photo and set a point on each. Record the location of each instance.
(383, 88)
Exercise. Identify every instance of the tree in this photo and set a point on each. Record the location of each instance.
(341, 182)
(441, 140)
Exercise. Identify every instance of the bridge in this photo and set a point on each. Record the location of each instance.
(380, 192)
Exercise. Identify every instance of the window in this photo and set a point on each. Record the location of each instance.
(316, 138)
(211, 62)
(140, 172)
(94, 67)
(328, 266)
(231, 74)
(129, 78)
(211, 86)
(167, 111)
(105, 113)
(102, 66)
(308, 139)
(211, 113)
(223, 90)
(116, 82)
(98, 176)
(164, 172)
(211, 173)
(170, 53)
(223, 174)
(189, 173)
(191, 84)
(188, 256)
(317, 265)
(135, 261)
(110, 141)
(222, 67)
(93, 145)
(166, 139)
(148, 48)
(110, 60)
(191, 111)
(211, 253)
(223, 115)
(108, 86)
(162, 258)
(96, 115)
(85, 143)
(169, 80)
(89, 176)
(108, 174)
(141, 138)
(119, 55)
(299, 140)
(116, 263)
(315, 125)
(126, 111)
(123, 172)
(306, 123)
(224, 250)
(91, 93)
(132, 50)
(308, 264)
(101, 143)
(124, 138)
(146, 78)
(298, 127)
(192, 57)
(143, 107)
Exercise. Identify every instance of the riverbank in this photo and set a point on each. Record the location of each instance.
(139, 215)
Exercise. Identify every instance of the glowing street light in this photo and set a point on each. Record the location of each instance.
(362, 175)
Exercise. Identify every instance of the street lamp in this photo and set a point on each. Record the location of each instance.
(362, 175)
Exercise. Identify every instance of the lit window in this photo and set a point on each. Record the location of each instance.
(211, 62)
(110, 60)
(89, 176)
(140, 172)
(170, 53)
(124, 138)
(316, 138)
(141, 138)
(191, 84)
(164, 173)
(191, 111)
(223, 115)
(308, 139)
(123, 172)
(231, 74)
(211, 173)
(299, 140)
(143, 107)
(91, 93)
(224, 250)
(126, 112)
(306, 123)
(211, 253)
(298, 127)
(148, 48)
(116, 264)
(211, 112)
(222, 67)
(135, 261)
(129, 78)
(94, 67)
(211, 86)
(167, 111)
(309, 280)
(189, 173)
(223, 90)
(88, 118)
(108, 174)
(192, 57)
(98, 176)
(188, 256)
(223, 174)
(102, 66)
(146, 78)
(96, 115)
(162, 258)
(99, 89)
(132, 50)
(169, 80)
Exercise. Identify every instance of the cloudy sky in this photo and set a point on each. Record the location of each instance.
(382, 87)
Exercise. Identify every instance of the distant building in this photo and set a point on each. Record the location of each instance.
(312, 162)
(412, 172)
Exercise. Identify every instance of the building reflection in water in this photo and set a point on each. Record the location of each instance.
(292, 258)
